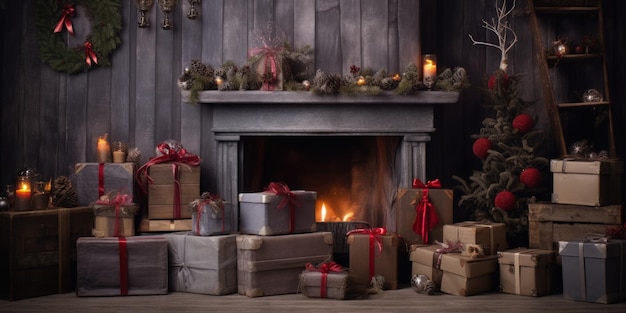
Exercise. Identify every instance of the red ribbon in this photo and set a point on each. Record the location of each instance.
(118, 201)
(289, 198)
(68, 12)
(123, 253)
(374, 237)
(325, 268)
(200, 209)
(426, 216)
(100, 180)
(270, 63)
(177, 157)
(90, 55)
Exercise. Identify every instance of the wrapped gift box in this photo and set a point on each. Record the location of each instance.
(161, 191)
(442, 201)
(266, 213)
(271, 265)
(425, 260)
(210, 217)
(334, 285)
(93, 180)
(113, 221)
(385, 261)
(527, 272)
(465, 276)
(594, 271)
(114, 266)
(586, 182)
(202, 264)
(38, 250)
(492, 237)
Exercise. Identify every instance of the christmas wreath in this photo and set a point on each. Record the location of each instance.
(53, 17)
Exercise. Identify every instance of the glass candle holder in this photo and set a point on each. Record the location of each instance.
(120, 151)
(23, 193)
(429, 69)
(41, 196)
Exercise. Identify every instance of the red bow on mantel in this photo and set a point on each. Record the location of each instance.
(68, 12)
(90, 55)
(289, 198)
(426, 217)
(325, 268)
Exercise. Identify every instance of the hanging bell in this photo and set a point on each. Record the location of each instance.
(193, 12)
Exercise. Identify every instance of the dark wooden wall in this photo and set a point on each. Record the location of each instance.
(51, 121)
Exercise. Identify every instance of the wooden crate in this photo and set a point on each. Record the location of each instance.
(550, 222)
(161, 191)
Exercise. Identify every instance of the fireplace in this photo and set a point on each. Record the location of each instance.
(246, 123)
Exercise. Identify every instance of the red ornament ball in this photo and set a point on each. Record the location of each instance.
(504, 81)
(531, 177)
(523, 123)
(505, 200)
(481, 147)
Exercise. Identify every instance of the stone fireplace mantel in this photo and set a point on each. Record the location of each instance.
(238, 114)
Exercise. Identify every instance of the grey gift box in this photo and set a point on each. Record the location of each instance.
(117, 177)
(259, 213)
(594, 272)
(208, 218)
(202, 264)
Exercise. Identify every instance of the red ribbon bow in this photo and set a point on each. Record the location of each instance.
(426, 217)
(177, 157)
(210, 200)
(68, 12)
(117, 201)
(325, 268)
(374, 236)
(289, 198)
(90, 55)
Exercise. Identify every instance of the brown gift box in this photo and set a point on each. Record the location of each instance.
(161, 190)
(527, 272)
(101, 271)
(38, 250)
(336, 284)
(271, 265)
(108, 223)
(441, 199)
(116, 177)
(385, 261)
(586, 182)
(464, 276)
(492, 237)
(426, 261)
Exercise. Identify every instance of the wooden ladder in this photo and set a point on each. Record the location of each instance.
(567, 75)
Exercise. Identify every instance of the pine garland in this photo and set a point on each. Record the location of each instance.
(104, 37)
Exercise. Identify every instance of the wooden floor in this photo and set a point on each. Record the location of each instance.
(401, 300)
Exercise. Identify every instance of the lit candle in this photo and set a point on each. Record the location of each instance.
(360, 81)
(429, 69)
(218, 81)
(396, 77)
(22, 196)
(119, 152)
(104, 150)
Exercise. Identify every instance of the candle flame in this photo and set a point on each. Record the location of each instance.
(323, 212)
(48, 186)
(103, 139)
(25, 187)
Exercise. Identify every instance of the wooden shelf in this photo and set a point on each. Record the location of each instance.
(583, 104)
(258, 96)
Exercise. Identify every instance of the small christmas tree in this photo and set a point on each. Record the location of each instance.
(513, 174)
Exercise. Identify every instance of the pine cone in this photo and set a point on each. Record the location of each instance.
(63, 193)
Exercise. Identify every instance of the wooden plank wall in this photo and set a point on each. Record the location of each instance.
(51, 121)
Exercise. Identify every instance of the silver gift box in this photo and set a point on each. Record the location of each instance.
(259, 213)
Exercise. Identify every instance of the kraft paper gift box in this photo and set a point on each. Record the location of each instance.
(162, 190)
(113, 221)
(271, 265)
(586, 182)
(93, 180)
(38, 250)
(594, 271)
(492, 237)
(266, 213)
(120, 266)
(210, 217)
(202, 264)
(323, 282)
(465, 276)
(527, 272)
(425, 260)
(406, 213)
(374, 255)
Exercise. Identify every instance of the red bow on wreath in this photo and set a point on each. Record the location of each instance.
(426, 217)
(90, 55)
(68, 12)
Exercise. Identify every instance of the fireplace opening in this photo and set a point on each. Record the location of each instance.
(355, 177)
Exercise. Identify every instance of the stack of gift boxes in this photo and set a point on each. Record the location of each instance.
(586, 207)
